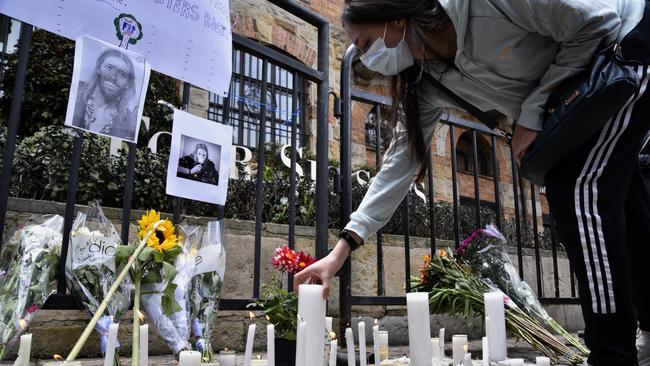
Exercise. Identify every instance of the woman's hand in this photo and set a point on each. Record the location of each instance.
(522, 139)
(323, 270)
(197, 169)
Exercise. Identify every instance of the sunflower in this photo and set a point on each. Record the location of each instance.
(164, 238)
(147, 222)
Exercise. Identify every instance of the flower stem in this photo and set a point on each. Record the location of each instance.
(135, 353)
(102, 307)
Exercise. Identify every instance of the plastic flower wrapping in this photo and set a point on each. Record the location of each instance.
(29, 263)
(210, 260)
(90, 269)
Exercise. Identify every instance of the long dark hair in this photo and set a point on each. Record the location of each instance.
(124, 100)
(422, 17)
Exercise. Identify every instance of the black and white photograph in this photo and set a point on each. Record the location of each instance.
(109, 85)
(199, 159)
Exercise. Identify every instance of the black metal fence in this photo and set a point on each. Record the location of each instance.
(268, 60)
(476, 131)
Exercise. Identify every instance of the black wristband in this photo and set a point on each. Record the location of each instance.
(345, 235)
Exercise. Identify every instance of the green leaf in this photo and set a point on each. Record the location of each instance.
(158, 257)
(172, 253)
(145, 254)
(167, 300)
(169, 271)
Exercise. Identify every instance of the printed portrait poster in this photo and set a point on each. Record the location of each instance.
(199, 159)
(109, 86)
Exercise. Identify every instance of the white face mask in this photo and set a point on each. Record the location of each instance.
(388, 61)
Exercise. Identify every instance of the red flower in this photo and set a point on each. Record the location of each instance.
(304, 261)
(285, 259)
(32, 309)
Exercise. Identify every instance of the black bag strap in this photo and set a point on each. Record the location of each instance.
(482, 116)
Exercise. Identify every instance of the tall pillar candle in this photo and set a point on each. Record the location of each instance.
(486, 351)
(270, 344)
(441, 336)
(375, 341)
(383, 345)
(333, 352)
(435, 349)
(458, 343)
(417, 305)
(191, 358)
(543, 361)
(496, 325)
(311, 308)
(111, 342)
(362, 343)
(25, 350)
(227, 358)
(349, 341)
(328, 324)
(144, 345)
(250, 338)
(300, 342)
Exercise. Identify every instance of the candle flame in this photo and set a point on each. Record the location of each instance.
(376, 322)
(259, 357)
(268, 318)
(251, 315)
(466, 348)
(58, 357)
(332, 335)
(226, 349)
(141, 316)
(23, 324)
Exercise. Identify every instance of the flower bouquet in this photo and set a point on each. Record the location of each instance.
(28, 267)
(90, 270)
(454, 290)
(147, 260)
(210, 260)
(485, 251)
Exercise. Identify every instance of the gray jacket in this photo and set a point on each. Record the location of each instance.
(511, 55)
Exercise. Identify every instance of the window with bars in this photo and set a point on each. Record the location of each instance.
(283, 104)
(465, 155)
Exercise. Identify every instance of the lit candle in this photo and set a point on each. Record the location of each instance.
(435, 349)
(300, 343)
(458, 344)
(417, 305)
(270, 344)
(144, 345)
(517, 362)
(328, 324)
(110, 345)
(362, 343)
(189, 358)
(486, 351)
(349, 341)
(383, 345)
(543, 361)
(441, 336)
(311, 308)
(259, 361)
(496, 325)
(25, 350)
(249, 342)
(227, 358)
(333, 350)
(375, 341)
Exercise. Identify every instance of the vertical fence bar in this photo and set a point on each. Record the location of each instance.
(259, 190)
(432, 204)
(556, 276)
(322, 143)
(380, 239)
(128, 192)
(538, 258)
(292, 178)
(454, 182)
(69, 210)
(407, 244)
(515, 194)
(185, 105)
(14, 120)
(497, 191)
(477, 194)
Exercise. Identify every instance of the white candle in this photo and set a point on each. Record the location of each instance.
(110, 344)
(259, 362)
(333, 350)
(458, 344)
(328, 324)
(375, 342)
(417, 305)
(25, 350)
(486, 351)
(227, 358)
(300, 343)
(517, 362)
(496, 325)
(270, 344)
(311, 308)
(383, 345)
(543, 361)
(467, 360)
(249, 345)
(435, 349)
(190, 358)
(144, 345)
(441, 336)
(349, 341)
(362, 343)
